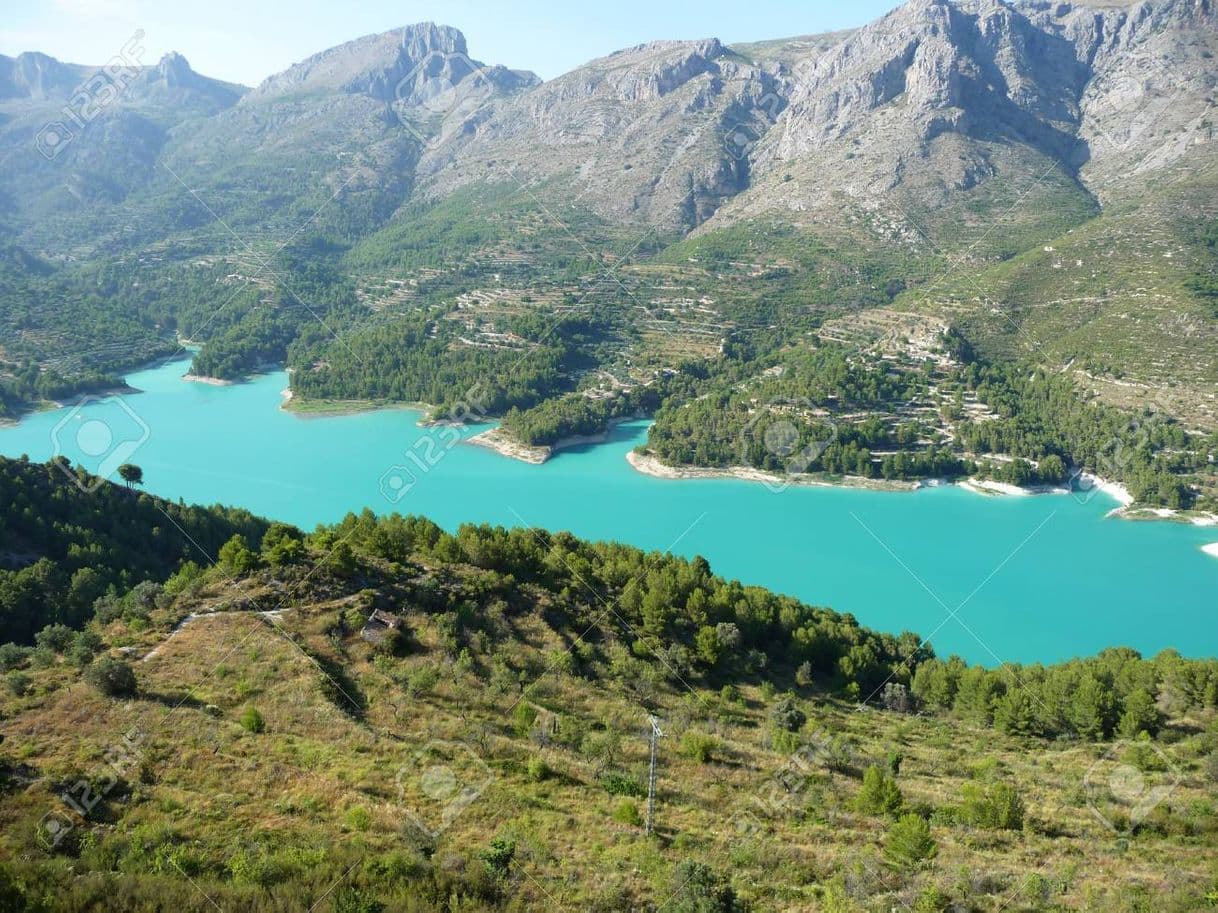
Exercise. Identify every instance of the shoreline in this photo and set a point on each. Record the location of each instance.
(76, 399)
(990, 487)
(650, 465)
(210, 381)
(303, 407)
(497, 440)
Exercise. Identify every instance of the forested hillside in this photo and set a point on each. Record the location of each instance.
(279, 748)
(67, 547)
(677, 229)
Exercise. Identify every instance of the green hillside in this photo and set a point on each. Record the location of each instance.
(243, 737)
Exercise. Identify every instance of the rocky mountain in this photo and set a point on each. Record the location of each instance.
(640, 136)
(37, 76)
(173, 84)
(73, 136)
(946, 133)
(940, 98)
(936, 100)
(405, 66)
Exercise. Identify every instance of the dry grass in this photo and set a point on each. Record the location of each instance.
(322, 768)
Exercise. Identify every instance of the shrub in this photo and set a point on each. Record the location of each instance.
(909, 842)
(282, 545)
(1142, 755)
(896, 698)
(785, 714)
(422, 680)
(18, 683)
(112, 677)
(252, 721)
(358, 818)
(839, 754)
(627, 812)
(1140, 715)
(12, 656)
(1211, 766)
(620, 784)
(698, 746)
(537, 769)
(698, 889)
(523, 718)
(236, 558)
(932, 900)
(785, 742)
(999, 807)
(185, 579)
(85, 645)
(879, 794)
(55, 637)
(498, 857)
(349, 899)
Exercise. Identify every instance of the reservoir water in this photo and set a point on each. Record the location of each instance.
(995, 579)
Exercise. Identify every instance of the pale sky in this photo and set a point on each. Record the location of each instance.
(248, 40)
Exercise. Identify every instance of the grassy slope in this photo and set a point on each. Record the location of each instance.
(1110, 298)
(342, 776)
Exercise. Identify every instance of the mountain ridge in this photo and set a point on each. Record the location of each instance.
(670, 202)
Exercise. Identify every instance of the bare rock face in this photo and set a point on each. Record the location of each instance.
(939, 104)
(1150, 100)
(643, 135)
(924, 99)
(172, 83)
(37, 76)
(395, 66)
(942, 96)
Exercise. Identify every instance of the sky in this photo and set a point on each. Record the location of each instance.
(247, 40)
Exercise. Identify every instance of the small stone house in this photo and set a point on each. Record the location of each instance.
(379, 626)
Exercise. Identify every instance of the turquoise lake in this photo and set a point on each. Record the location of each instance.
(994, 579)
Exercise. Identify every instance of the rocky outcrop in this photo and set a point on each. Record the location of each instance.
(172, 83)
(37, 76)
(939, 104)
(942, 96)
(402, 66)
(643, 135)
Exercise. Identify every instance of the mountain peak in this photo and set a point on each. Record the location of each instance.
(388, 66)
(36, 75)
(174, 70)
(428, 36)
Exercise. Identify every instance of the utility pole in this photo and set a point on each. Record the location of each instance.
(656, 733)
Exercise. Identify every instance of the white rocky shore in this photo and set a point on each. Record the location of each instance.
(495, 439)
(650, 465)
(990, 487)
(210, 381)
